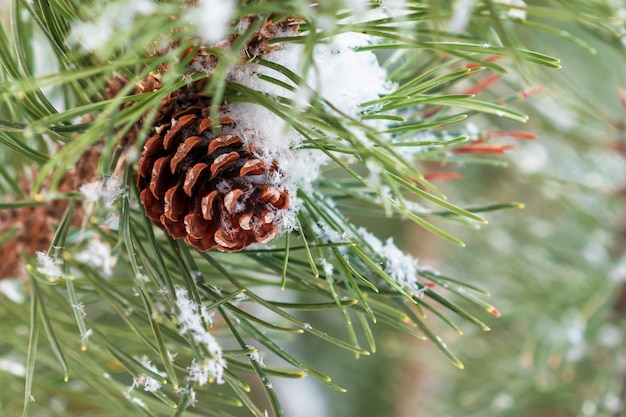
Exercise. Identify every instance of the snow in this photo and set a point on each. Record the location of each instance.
(340, 74)
(400, 266)
(347, 77)
(148, 383)
(91, 191)
(115, 16)
(98, 255)
(328, 268)
(48, 266)
(205, 372)
(80, 309)
(255, 356)
(461, 13)
(212, 18)
(358, 7)
(108, 190)
(394, 8)
(85, 336)
(192, 318)
(516, 12)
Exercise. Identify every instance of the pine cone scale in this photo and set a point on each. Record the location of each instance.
(207, 205)
(152, 148)
(245, 221)
(192, 177)
(223, 161)
(224, 141)
(172, 138)
(174, 204)
(230, 200)
(252, 167)
(175, 229)
(265, 233)
(159, 181)
(191, 144)
(152, 206)
(227, 244)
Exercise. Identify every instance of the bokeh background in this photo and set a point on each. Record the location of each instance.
(555, 269)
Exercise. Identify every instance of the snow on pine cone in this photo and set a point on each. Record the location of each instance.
(202, 182)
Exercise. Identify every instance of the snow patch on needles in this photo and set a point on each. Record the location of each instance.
(48, 266)
(148, 383)
(461, 12)
(107, 190)
(207, 371)
(518, 11)
(347, 77)
(357, 6)
(340, 74)
(400, 266)
(394, 8)
(212, 18)
(115, 16)
(193, 318)
(98, 255)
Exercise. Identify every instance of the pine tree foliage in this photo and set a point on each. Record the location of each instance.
(562, 301)
(113, 317)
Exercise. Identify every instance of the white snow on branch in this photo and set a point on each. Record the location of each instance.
(347, 77)
(357, 6)
(48, 266)
(393, 8)
(207, 371)
(148, 383)
(193, 319)
(400, 266)
(212, 18)
(115, 16)
(340, 74)
(328, 268)
(98, 255)
(107, 190)
(255, 356)
(461, 13)
(518, 11)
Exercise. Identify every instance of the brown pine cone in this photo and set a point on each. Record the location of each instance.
(31, 229)
(201, 181)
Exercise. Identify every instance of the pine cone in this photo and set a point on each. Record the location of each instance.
(31, 229)
(201, 181)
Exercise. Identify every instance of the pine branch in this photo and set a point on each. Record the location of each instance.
(148, 324)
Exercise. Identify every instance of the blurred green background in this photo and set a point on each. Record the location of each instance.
(555, 269)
